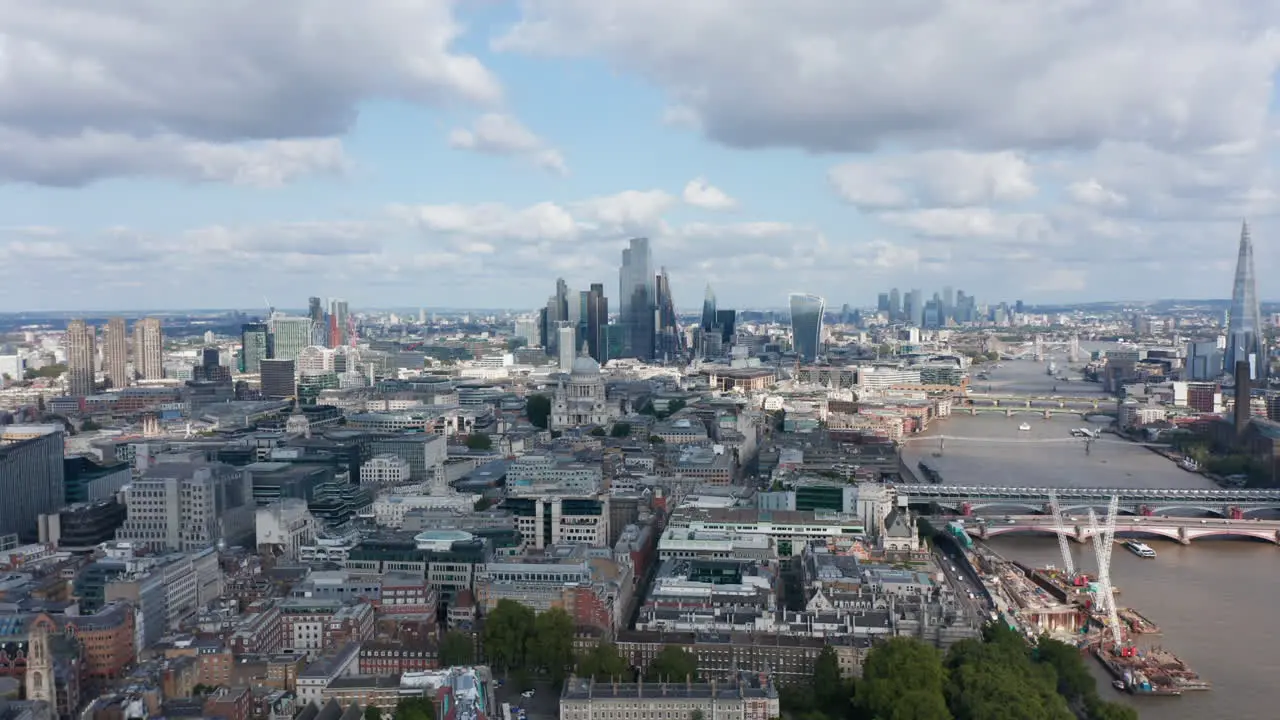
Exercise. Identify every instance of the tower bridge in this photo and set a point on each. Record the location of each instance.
(1146, 502)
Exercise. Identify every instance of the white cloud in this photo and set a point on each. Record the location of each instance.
(1092, 193)
(970, 222)
(941, 178)
(192, 90)
(855, 76)
(498, 134)
(702, 194)
(93, 155)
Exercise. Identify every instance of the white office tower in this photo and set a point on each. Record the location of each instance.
(564, 344)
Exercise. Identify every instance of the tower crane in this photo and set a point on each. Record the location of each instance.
(1060, 529)
(1103, 543)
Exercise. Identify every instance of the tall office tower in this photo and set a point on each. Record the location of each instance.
(82, 352)
(115, 353)
(806, 325)
(557, 312)
(597, 324)
(895, 305)
(916, 315)
(669, 340)
(319, 323)
(727, 321)
(1244, 324)
(148, 349)
(638, 295)
(279, 378)
(708, 309)
(882, 302)
(543, 340)
(564, 344)
(289, 335)
(338, 335)
(948, 303)
(254, 347)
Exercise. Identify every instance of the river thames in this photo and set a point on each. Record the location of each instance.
(1214, 600)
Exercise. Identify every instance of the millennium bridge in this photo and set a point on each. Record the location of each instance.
(1134, 501)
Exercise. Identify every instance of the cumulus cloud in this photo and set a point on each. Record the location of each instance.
(702, 194)
(190, 90)
(497, 134)
(855, 76)
(940, 178)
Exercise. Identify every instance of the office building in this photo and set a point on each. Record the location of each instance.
(727, 321)
(148, 349)
(319, 322)
(115, 353)
(277, 377)
(183, 504)
(669, 341)
(1244, 324)
(708, 309)
(289, 335)
(255, 346)
(339, 330)
(806, 325)
(82, 355)
(31, 476)
(564, 346)
(895, 305)
(597, 324)
(637, 297)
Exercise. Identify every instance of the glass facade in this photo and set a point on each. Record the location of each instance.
(806, 325)
(1244, 324)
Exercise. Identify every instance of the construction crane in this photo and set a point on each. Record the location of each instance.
(1060, 529)
(1103, 543)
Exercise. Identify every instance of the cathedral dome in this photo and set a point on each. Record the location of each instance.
(584, 366)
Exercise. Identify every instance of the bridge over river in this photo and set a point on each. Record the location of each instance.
(1180, 529)
(1134, 501)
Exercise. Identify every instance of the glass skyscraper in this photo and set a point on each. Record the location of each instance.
(806, 324)
(1244, 324)
(637, 298)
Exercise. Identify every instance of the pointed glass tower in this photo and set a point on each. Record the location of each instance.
(1244, 323)
(708, 310)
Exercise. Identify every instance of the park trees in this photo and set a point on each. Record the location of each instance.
(673, 664)
(552, 647)
(507, 631)
(538, 408)
(603, 662)
(456, 648)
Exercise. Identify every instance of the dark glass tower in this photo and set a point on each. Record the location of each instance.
(1244, 324)
(708, 310)
(638, 296)
(806, 324)
(597, 324)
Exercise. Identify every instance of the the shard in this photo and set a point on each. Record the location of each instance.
(1244, 323)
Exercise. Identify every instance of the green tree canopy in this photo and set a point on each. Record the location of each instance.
(903, 679)
(538, 408)
(672, 664)
(373, 712)
(456, 648)
(479, 441)
(507, 631)
(552, 647)
(48, 371)
(656, 440)
(415, 708)
(603, 662)
(598, 432)
(620, 430)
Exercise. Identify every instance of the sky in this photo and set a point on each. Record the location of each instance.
(404, 153)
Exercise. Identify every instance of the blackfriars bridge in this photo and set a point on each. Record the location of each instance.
(1180, 529)
(1134, 501)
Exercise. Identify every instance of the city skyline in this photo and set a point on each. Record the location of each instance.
(459, 160)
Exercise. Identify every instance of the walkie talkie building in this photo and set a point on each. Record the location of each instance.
(806, 324)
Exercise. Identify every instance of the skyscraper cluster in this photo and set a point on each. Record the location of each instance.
(647, 325)
(82, 353)
(283, 337)
(911, 308)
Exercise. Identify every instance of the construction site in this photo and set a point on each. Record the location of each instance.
(1070, 606)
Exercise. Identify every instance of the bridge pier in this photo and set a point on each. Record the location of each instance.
(1062, 404)
(1008, 413)
(1028, 403)
(1095, 404)
(973, 411)
(995, 403)
(1047, 414)
(1182, 536)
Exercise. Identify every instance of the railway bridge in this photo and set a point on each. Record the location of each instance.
(965, 500)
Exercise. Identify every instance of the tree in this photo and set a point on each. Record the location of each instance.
(830, 691)
(673, 664)
(482, 504)
(538, 408)
(456, 648)
(697, 715)
(89, 426)
(373, 712)
(602, 662)
(597, 432)
(675, 406)
(620, 430)
(552, 647)
(903, 679)
(415, 708)
(48, 371)
(507, 631)
(479, 441)
(656, 440)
